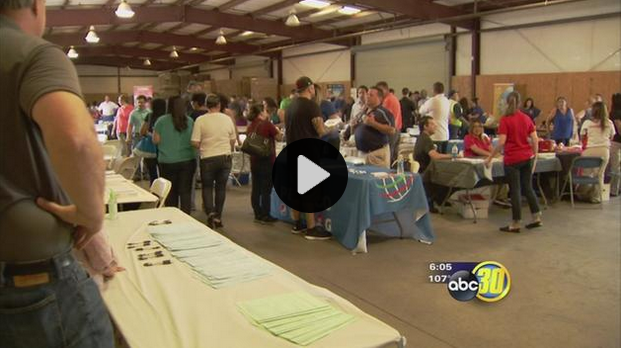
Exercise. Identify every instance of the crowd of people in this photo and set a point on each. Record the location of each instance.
(196, 134)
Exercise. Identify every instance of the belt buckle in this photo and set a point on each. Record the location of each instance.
(22, 281)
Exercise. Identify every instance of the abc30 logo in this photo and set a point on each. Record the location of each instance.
(489, 281)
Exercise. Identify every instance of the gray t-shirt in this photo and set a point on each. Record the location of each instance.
(30, 67)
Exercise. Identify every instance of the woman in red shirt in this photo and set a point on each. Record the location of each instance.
(262, 167)
(519, 160)
(477, 143)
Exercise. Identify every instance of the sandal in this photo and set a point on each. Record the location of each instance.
(534, 224)
(510, 229)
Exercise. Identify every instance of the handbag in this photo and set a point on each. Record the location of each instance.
(256, 145)
(146, 148)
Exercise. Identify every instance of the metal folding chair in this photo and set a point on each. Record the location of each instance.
(577, 176)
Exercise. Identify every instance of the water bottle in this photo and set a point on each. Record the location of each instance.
(400, 167)
(455, 152)
(112, 205)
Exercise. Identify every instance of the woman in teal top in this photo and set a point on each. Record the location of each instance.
(270, 108)
(176, 156)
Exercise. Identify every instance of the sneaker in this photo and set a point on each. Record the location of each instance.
(317, 234)
(298, 228)
(218, 223)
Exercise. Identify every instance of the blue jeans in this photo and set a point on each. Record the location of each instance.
(68, 312)
(214, 174)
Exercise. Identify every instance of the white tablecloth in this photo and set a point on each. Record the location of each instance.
(164, 306)
(127, 191)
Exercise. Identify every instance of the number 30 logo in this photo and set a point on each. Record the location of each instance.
(494, 281)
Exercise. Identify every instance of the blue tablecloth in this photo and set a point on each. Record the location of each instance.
(394, 207)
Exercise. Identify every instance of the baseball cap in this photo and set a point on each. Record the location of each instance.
(452, 92)
(303, 83)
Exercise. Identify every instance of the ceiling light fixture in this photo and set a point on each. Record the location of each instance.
(318, 4)
(220, 40)
(92, 37)
(292, 20)
(247, 33)
(147, 62)
(72, 53)
(174, 53)
(193, 49)
(124, 10)
(349, 10)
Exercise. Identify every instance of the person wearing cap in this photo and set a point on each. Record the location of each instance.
(214, 135)
(303, 120)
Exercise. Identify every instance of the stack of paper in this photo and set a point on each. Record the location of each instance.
(217, 261)
(296, 317)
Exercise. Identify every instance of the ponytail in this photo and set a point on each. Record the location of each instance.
(512, 103)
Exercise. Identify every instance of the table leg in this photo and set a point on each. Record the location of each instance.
(471, 204)
(443, 204)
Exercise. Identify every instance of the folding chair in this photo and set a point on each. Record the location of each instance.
(127, 167)
(240, 165)
(579, 168)
(161, 188)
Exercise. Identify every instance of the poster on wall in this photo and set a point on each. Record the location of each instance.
(145, 90)
(336, 89)
(500, 93)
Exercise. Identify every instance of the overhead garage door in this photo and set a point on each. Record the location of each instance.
(414, 65)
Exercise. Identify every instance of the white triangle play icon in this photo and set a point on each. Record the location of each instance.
(308, 174)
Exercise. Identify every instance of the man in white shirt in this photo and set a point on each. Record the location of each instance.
(214, 135)
(108, 109)
(438, 107)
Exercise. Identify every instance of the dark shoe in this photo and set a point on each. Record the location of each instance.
(510, 229)
(298, 228)
(270, 219)
(433, 210)
(218, 223)
(534, 225)
(210, 221)
(258, 220)
(317, 234)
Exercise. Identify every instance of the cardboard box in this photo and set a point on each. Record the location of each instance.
(605, 193)
(481, 206)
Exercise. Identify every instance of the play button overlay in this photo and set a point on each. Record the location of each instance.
(310, 175)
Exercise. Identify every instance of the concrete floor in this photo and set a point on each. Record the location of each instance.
(566, 286)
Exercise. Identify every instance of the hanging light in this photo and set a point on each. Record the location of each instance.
(147, 62)
(220, 40)
(124, 10)
(349, 10)
(92, 37)
(72, 53)
(174, 53)
(292, 20)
